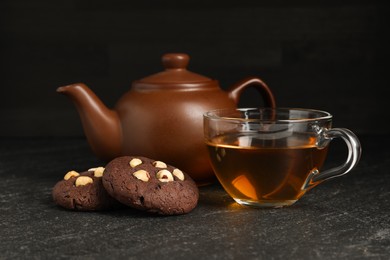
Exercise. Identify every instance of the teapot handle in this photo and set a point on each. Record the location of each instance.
(236, 90)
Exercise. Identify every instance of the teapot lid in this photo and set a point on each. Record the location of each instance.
(175, 72)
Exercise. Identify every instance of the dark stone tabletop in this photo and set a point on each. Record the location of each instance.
(344, 218)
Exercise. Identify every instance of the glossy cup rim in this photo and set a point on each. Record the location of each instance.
(215, 114)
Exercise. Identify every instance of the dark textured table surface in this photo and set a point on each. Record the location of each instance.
(344, 218)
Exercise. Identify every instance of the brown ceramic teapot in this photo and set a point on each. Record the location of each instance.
(160, 117)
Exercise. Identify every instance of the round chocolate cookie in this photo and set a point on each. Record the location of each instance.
(83, 191)
(150, 185)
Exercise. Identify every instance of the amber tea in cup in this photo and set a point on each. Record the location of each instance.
(272, 157)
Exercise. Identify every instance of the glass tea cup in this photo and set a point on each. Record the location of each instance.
(268, 157)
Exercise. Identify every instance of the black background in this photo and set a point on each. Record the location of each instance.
(329, 55)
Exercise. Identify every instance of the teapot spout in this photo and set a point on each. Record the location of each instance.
(101, 125)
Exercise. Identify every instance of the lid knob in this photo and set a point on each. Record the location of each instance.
(175, 60)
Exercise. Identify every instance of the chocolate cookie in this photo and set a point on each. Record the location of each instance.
(83, 191)
(150, 185)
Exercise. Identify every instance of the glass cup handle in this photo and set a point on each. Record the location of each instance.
(354, 153)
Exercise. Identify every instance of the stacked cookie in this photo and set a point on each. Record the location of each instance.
(134, 181)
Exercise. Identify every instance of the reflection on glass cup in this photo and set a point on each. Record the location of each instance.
(271, 157)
